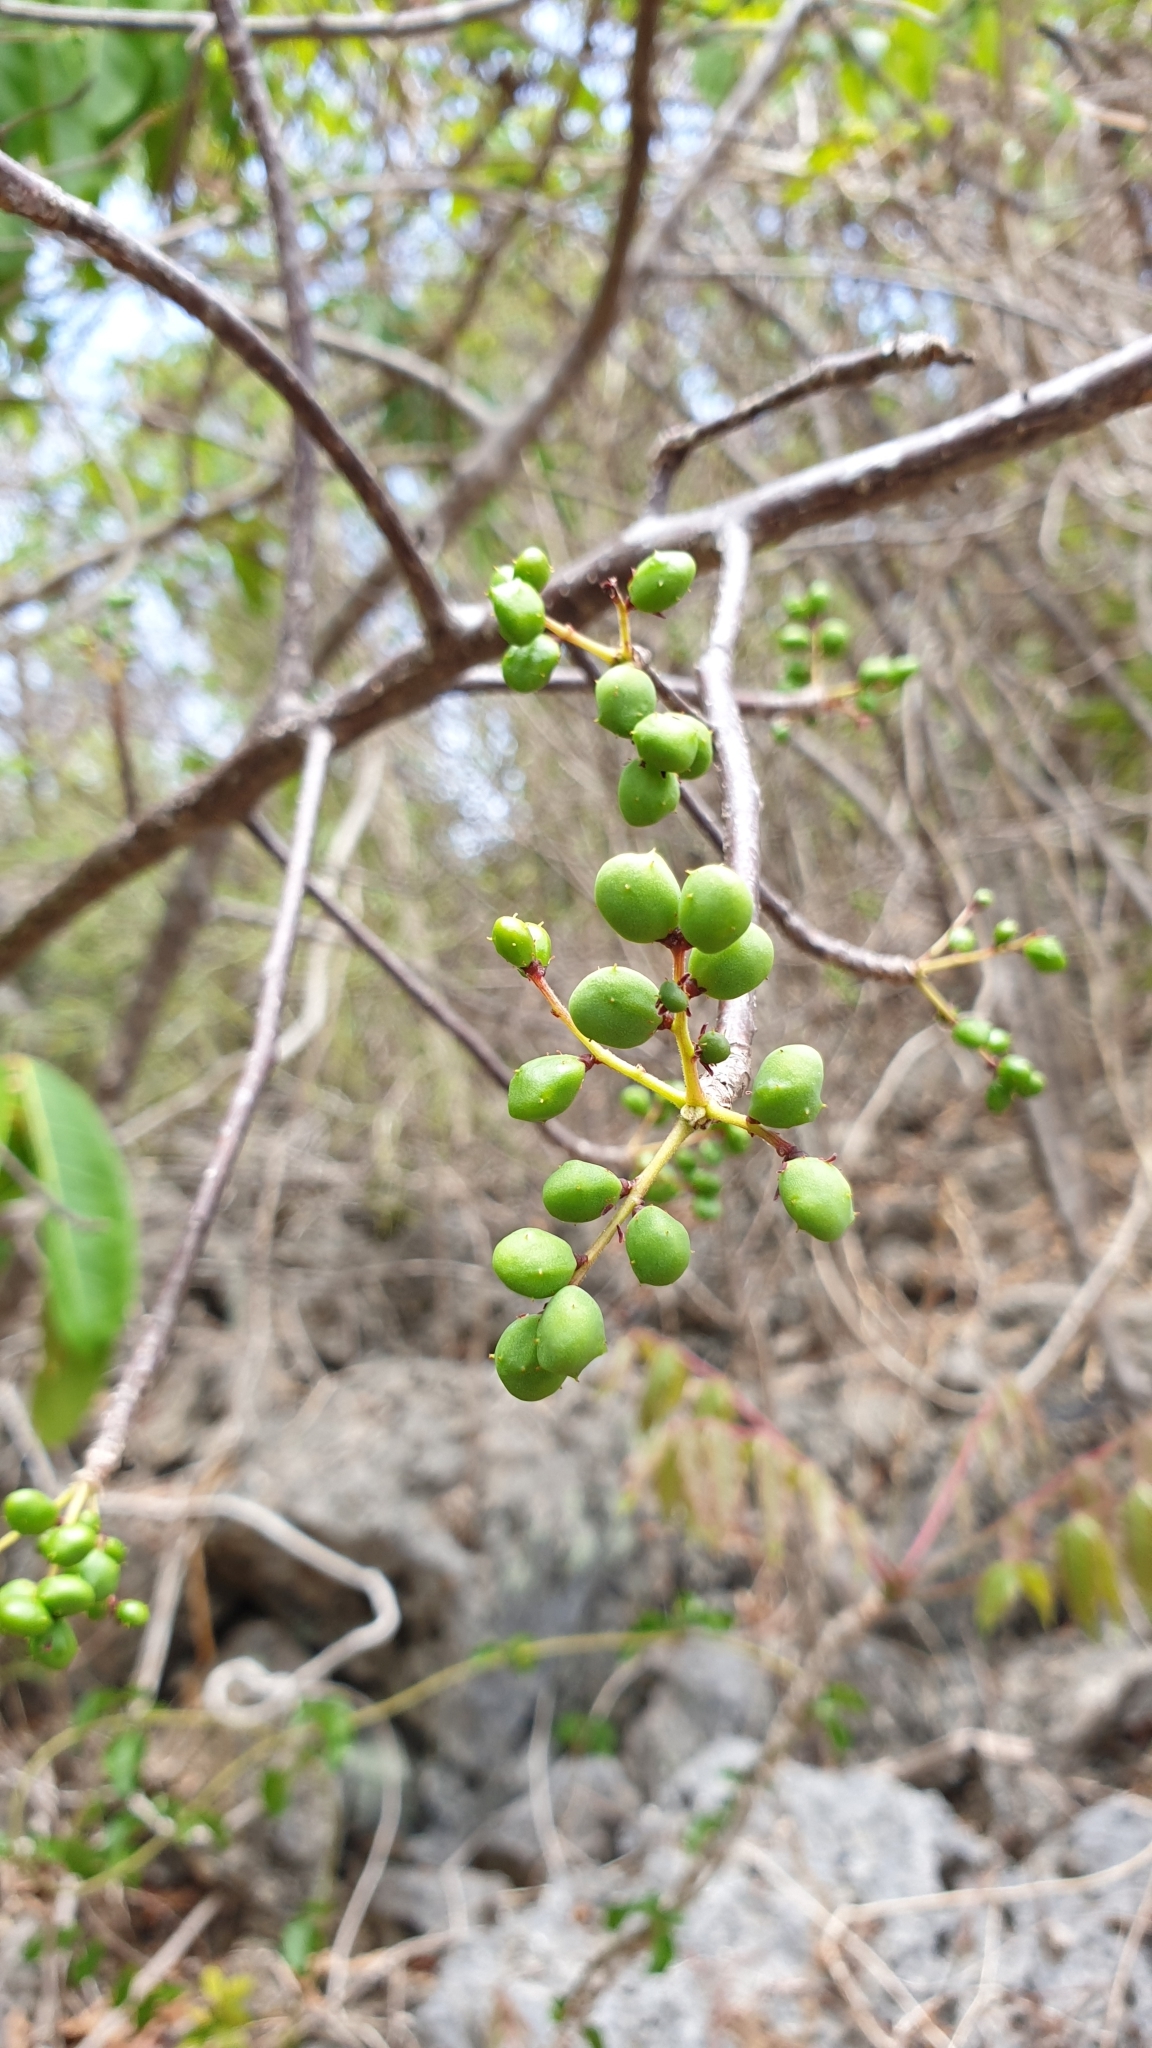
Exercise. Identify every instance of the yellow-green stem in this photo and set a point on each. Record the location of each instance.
(601, 1054)
(931, 964)
(625, 626)
(694, 1095)
(943, 1008)
(681, 1130)
(575, 639)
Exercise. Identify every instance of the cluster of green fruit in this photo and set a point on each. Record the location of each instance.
(695, 1170)
(811, 636)
(670, 745)
(1014, 1074)
(82, 1576)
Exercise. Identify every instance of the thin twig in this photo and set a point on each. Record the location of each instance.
(391, 1794)
(371, 25)
(112, 2025)
(829, 373)
(740, 792)
(18, 1423)
(539, 1789)
(108, 1446)
(1118, 1994)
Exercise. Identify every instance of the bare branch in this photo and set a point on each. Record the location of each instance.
(371, 26)
(830, 373)
(108, 1447)
(402, 363)
(739, 788)
(33, 198)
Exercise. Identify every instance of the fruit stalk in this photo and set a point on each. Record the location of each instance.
(600, 1053)
(681, 1131)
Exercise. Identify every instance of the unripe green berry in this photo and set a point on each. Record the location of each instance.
(517, 1364)
(579, 1192)
(102, 1572)
(638, 896)
(519, 611)
(504, 574)
(835, 636)
(715, 907)
(513, 941)
(962, 939)
(972, 1031)
(781, 732)
(794, 639)
(705, 1182)
(571, 1333)
(797, 675)
(736, 1139)
(877, 669)
(30, 1511)
(738, 969)
(90, 1516)
(1034, 1084)
(788, 1088)
(713, 1048)
(615, 1006)
(817, 1198)
(132, 1613)
(22, 1613)
(818, 597)
(545, 1087)
(998, 1097)
(796, 607)
(533, 1262)
(901, 667)
(1045, 954)
(868, 701)
(661, 580)
(541, 944)
(709, 1208)
(710, 1153)
(658, 1248)
(637, 1100)
(672, 998)
(624, 695)
(983, 899)
(528, 668)
(702, 760)
(1005, 931)
(645, 795)
(66, 1546)
(114, 1548)
(1012, 1070)
(998, 1040)
(66, 1593)
(56, 1649)
(532, 566)
(665, 1188)
(668, 740)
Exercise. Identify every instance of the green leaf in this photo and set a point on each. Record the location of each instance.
(332, 1720)
(302, 1936)
(122, 1760)
(89, 1275)
(275, 1787)
(1087, 1573)
(1136, 1522)
(586, 1734)
(1036, 1586)
(996, 1595)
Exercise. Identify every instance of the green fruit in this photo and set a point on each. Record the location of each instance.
(818, 597)
(504, 574)
(21, 1613)
(797, 675)
(1005, 932)
(983, 899)
(710, 1153)
(715, 908)
(645, 795)
(665, 1188)
(962, 939)
(91, 1519)
(517, 1365)
(702, 760)
(102, 1573)
(545, 1087)
(513, 941)
(902, 666)
(114, 1548)
(735, 1139)
(542, 944)
(637, 1101)
(877, 669)
(972, 1031)
(998, 1040)
(738, 969)
(668, 740)
(624, 695)
(1045, 954)
(708, 1208)
(817, 1198)
(527, 668)
(66, 1546)
(571, 1333)
(781, 732)
(672, 998)
(66, 1593)
(658, 1248)
(615, 1006)
(705, 1182)
(638, 895)
(56, 1649)
(30, 1511)
(132, 1613)
(661, 580)
(578, 1192)
(1013, 1070)
(796, 607)
(1034, 1084)
(794, 639)
(788, 1088)
(835, 636)
(998, 1097)
(519, 611)
(713, 1048)
(533, 1262)
(532, 566)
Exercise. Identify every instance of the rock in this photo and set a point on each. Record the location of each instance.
(412, 1899)
(19, 1978)
(593, 1804)
(706, 1686)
